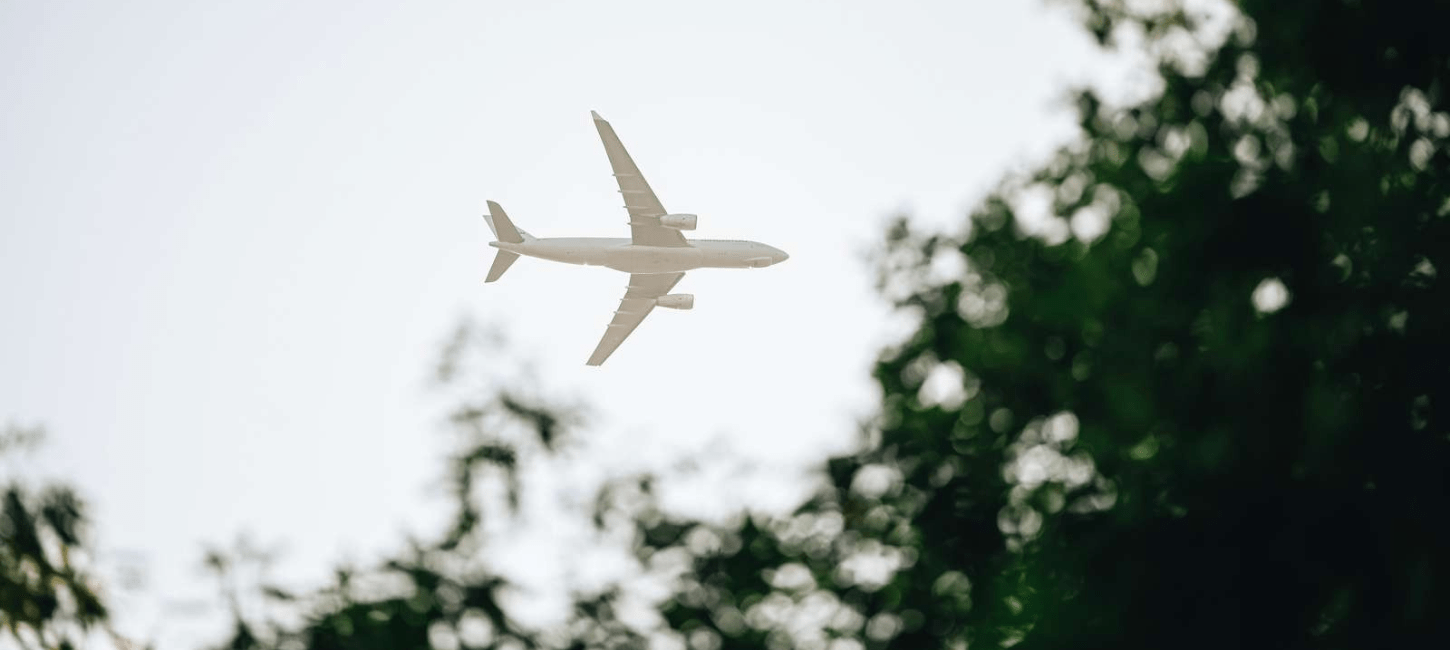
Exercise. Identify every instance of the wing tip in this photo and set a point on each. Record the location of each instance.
(595, 115)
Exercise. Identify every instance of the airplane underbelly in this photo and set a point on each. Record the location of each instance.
(565, 255)
(717, 259)
(654, 259)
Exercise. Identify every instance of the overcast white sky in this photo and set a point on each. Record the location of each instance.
(234, 235)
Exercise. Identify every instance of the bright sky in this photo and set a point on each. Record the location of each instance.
(233, 236)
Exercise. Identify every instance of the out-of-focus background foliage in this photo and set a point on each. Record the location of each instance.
(1177, 387)
(48, 594)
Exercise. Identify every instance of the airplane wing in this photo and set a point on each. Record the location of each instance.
(638, 302)
(644, 207)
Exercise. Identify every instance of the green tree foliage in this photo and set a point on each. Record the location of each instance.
(1176, 388)
(449, 591)
(48, 599)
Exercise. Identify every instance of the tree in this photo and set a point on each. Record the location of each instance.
(1176, 388)
(48, 599)
(445, 591)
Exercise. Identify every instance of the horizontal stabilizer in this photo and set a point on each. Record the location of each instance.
(501, 263)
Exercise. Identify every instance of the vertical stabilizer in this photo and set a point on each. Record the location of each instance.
(502, 227)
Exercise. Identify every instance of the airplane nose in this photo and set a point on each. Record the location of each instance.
(781, 256)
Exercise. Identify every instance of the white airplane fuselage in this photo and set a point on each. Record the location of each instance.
(657, 254)
(622, 255)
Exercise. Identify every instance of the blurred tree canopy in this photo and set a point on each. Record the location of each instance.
(1175, 388)
(447, 592)
(1178, 387)
(48, 597)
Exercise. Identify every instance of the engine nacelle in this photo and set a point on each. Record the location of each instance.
(679, 221)
(676, 301)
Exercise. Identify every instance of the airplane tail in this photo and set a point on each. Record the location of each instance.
(503, 228)
(501, 263)
(505, 231)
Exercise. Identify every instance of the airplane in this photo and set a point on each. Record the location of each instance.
(656, 255)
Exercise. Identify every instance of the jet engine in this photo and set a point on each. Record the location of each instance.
(676, 301)
(679, 221)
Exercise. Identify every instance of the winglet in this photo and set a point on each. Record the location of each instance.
(596, 116)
